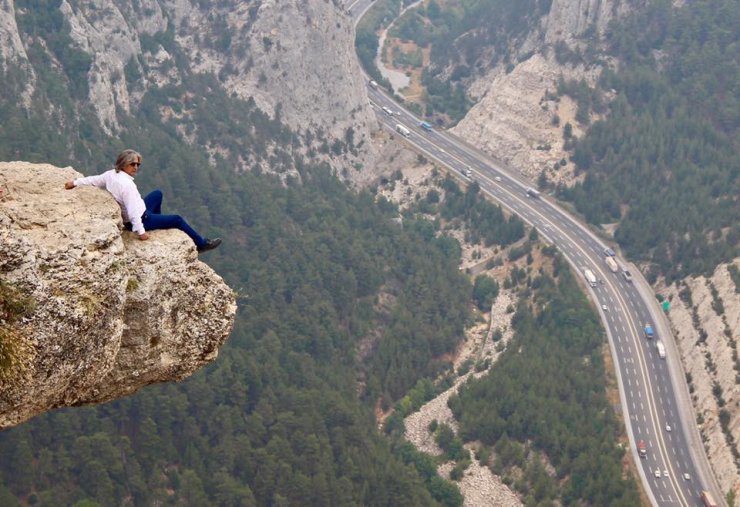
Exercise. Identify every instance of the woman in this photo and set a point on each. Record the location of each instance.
(139, 215)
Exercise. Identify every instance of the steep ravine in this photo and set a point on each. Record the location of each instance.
(513, 121)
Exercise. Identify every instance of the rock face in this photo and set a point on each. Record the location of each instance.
(513, 121)
(705, 320)
(111, 314)
(515, 117)
(570, 19)
(294, 58)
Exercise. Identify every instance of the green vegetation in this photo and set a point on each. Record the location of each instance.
(735, 275)
(277, 416)
(44, 19)
(559, 414)
(407, 59)
(285, 416)
(345, 309)
(485, 291)
(664, 162)
(464, 37)
(378, 16)
(485, 221)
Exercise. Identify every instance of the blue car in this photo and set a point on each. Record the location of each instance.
(609, 252)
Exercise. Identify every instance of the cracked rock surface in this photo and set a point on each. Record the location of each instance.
(110, 314)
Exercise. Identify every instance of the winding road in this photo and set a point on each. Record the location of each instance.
(654, 396)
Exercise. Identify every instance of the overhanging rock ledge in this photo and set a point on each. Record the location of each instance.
(107, 314)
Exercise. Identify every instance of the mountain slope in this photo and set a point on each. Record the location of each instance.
(96, 68)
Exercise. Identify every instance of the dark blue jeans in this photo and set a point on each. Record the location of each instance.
(153, 218)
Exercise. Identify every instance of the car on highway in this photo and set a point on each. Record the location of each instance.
(668, 427)
(665, 473)
(603, 307)
(609, 252)
(387, 111)
(686, 476)
(497, 178)
(657, 473)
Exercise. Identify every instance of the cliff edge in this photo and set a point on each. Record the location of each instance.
(89, 313)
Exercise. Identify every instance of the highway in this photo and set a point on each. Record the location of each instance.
(653, 392)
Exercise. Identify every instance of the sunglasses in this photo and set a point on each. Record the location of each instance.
(137, 164)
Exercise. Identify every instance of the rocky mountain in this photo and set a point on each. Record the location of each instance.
(293, 59)
(519, 120)
(88, 314)
(526, 133)
(705, 320)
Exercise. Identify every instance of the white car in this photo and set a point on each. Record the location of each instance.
(668, 427)
(665, 473)
(657, 473)
(603, 307)
(686, 477)
(387, 111)
(498, 178)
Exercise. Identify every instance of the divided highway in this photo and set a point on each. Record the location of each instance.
(653, 392)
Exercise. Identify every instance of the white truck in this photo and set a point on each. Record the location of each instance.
(612, 264)
(403, 130)
(590, 278)
(661, 349)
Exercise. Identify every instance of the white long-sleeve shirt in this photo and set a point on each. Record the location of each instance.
(124, 191)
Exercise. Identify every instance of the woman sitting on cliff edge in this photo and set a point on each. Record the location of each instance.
(139, 215)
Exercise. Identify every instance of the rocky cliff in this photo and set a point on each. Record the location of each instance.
(516, 118)
(705, 320)
(518, 121)
(294, 59)
(103, 314)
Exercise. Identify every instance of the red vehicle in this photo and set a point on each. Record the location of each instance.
(642, 448)
(708, 499)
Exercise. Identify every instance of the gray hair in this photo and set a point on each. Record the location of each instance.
(125, 158)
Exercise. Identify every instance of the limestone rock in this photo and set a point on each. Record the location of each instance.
(294, 58)
(570, 19)
(112, 313)
(517, 118)
(513, 121)
(711, 362)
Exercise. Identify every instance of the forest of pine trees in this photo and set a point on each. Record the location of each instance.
(285, 415)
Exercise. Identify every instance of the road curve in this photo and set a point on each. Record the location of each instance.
(653, 392)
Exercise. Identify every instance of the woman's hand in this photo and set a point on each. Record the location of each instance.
(144, 237)
(69, 185)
